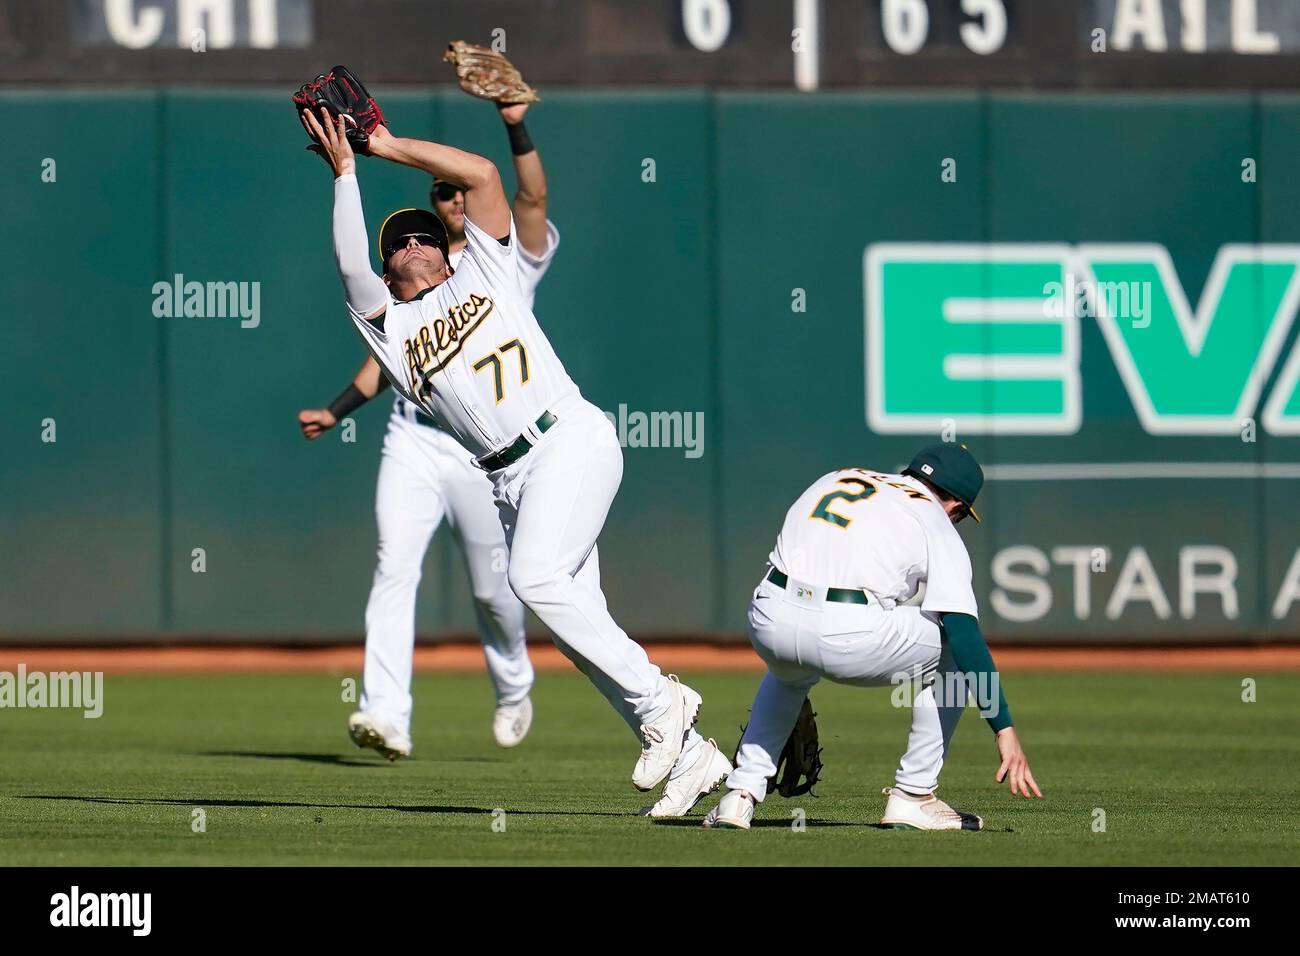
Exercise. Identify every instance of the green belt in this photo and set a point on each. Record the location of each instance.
(515, 450)
(423, 419)
(838, 595)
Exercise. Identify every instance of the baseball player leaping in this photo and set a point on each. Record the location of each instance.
(853, 548)
(464, 348)
(424, 475)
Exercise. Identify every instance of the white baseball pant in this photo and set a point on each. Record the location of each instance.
(424, 476)
(553, 504)
(803, 640)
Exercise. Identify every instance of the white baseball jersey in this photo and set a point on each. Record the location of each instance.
(470, 352)
(531, 270)
(884, 533)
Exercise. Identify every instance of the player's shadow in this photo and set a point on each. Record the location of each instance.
(331, 759)
(777, 823)
(887, 828)
(288, 804)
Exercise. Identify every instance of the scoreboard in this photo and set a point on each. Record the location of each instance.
(1032, 43)
(795, 44)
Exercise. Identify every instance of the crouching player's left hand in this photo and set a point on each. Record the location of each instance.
(1015, 765)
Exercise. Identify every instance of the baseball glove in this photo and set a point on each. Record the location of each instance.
(340, 92)
(487, 74)
(800, 765)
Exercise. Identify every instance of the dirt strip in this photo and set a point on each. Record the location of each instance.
(468, 657)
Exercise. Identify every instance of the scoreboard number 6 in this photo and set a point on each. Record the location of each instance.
(906, 24)
(706, 23)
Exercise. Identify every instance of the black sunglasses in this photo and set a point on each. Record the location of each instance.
(445, 192)
(423, 238)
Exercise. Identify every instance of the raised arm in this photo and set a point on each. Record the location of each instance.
(485, 198)
(530, 198)
(366, 293)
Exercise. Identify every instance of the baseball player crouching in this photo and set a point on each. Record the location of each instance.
(463, 346)
(426, 475)
(853, 548)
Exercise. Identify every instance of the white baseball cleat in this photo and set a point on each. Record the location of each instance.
(368, 731)
(510, 723)
(686, 789)
(907, 812)
(734, 812)
(664, 736)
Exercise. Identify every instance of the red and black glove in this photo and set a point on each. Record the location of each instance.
(340, 92)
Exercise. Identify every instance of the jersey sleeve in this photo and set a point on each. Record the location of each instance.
(948, 570)
(531, 267)
(498, 262)
(970, 652)
(364, 291)
(372, 331)
(378, 341)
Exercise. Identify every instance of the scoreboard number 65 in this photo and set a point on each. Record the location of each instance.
(905, 24)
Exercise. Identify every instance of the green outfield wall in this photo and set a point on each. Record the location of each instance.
(772, 285)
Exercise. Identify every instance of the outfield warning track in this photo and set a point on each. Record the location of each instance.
(466, 657)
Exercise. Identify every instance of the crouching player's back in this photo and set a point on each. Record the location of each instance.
(843, 599)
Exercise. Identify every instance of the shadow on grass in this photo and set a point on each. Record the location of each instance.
(435, 809)
(210, 802)
(780, 824)
(814, 823)
(332, 759)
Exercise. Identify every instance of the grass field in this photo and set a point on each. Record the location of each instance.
(1186, 773)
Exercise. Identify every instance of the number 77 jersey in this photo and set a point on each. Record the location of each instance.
(470, 352)
(881, 532)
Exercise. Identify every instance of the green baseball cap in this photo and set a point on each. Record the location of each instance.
(951, 467)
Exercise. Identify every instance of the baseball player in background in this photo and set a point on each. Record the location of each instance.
(462, 346)
(424, 475)
(854, 547)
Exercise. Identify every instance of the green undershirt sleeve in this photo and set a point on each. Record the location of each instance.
(971, 654)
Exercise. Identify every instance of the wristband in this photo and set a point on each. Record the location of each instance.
(520, 141)
(349, 400)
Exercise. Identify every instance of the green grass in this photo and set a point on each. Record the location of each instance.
(1186, 773)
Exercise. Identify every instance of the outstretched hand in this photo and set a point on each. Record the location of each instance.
(315, 422)
(1015, 765)
(331, 141)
